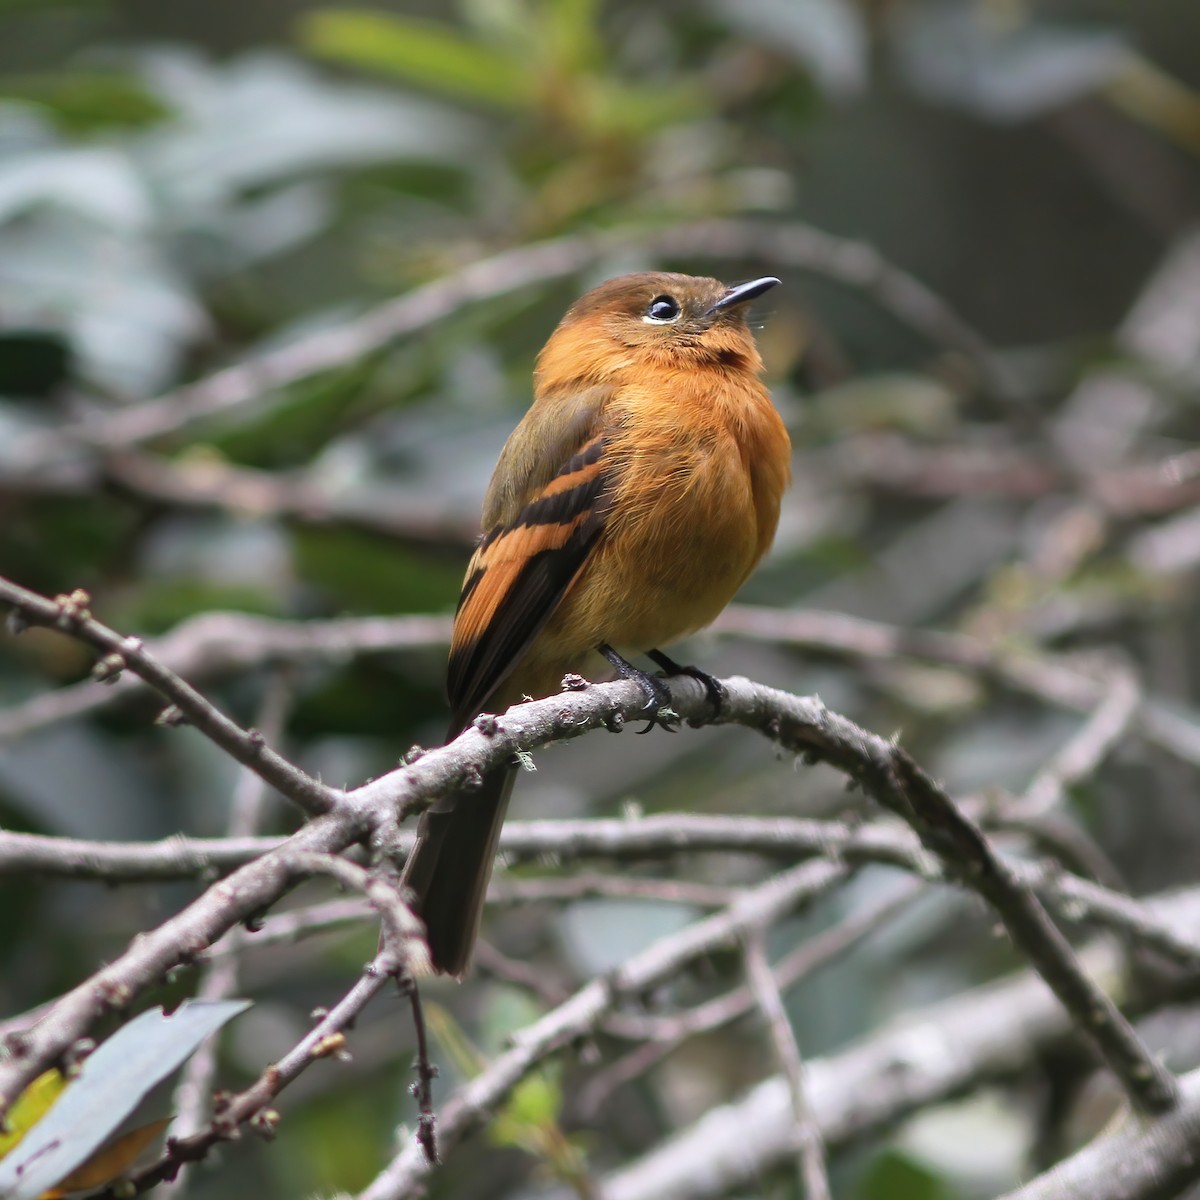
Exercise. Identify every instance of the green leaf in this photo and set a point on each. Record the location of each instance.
(31, 1106)
(88, 101)
(535, 1101)
(111, 1084)
(529, 1121)
(895, 1176)
(357, 577)
(421, 52)
(572, 30)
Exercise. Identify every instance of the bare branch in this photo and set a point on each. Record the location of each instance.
(662, 1034)
(663, 834)
(179, 941)
(803, 247)
(967, 854)
(127, 862)
(582, 1013)
(917, 1060)
(221, 974)
(1077, 684)
(326, 1039)
(1139, 1160)
(219, 643)
(213, 644)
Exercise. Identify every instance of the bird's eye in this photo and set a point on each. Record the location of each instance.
(662, 310)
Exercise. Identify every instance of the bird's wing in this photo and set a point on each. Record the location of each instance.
(531, 553)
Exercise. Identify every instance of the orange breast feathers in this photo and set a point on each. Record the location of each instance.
(630, 504)
(699, 467)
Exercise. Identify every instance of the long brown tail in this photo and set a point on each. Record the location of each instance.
(451, 863)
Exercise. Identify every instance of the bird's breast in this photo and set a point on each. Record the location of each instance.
(697, 481)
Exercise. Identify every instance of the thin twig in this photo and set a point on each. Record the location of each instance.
(568, 888)
(795, 967)
(326, 1039)
(213, 644)
(220, 976)
(854, 264)
(660, 1035)
(422, 1089)
(582, 1013)
(1084, 753)
(184, 937)
(171, 858)
(814, 1182)
(917, 1060)
(216, 643)
(1063, 681)
(663, 834)
(292, 926)
(71, 614)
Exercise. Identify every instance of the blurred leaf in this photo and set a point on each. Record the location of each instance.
(160, 604)
(511, 22)
(99, 183)
(918, 404)
(374, 698)
(33, 362)
(88, 101)
(571, 32)
(110, 1085)
(529, 1119)
(619, 107)
(9, 6)
(267, 119)
(960, 56)
(127, 311)
(508, 1011)
(826, 36)
(978, 1145)
(466, 1060)
(362, 573)
(1146, 92)
(62, 541)
(894, 1176)
(421, 52)
(334, 1143)
(533, 1105)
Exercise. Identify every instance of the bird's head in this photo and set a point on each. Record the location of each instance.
(655, 317)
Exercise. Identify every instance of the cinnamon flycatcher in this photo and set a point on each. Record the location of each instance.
(634, 498)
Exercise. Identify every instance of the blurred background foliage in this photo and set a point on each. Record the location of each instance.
(192, 185)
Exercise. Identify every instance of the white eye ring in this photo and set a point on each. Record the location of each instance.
(668, 311)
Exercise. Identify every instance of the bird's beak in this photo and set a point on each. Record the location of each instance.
(742, 293)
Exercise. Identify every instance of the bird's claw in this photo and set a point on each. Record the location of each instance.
(714, 689)
(662, 715)
(657, 709)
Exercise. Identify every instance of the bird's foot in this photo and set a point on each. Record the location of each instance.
(714, 690)
(657, 708)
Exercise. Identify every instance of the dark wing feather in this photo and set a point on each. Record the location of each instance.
(520, 573)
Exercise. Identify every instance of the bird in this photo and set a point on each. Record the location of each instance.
(641, 488)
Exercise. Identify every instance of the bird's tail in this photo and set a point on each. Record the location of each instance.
(451, 863)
